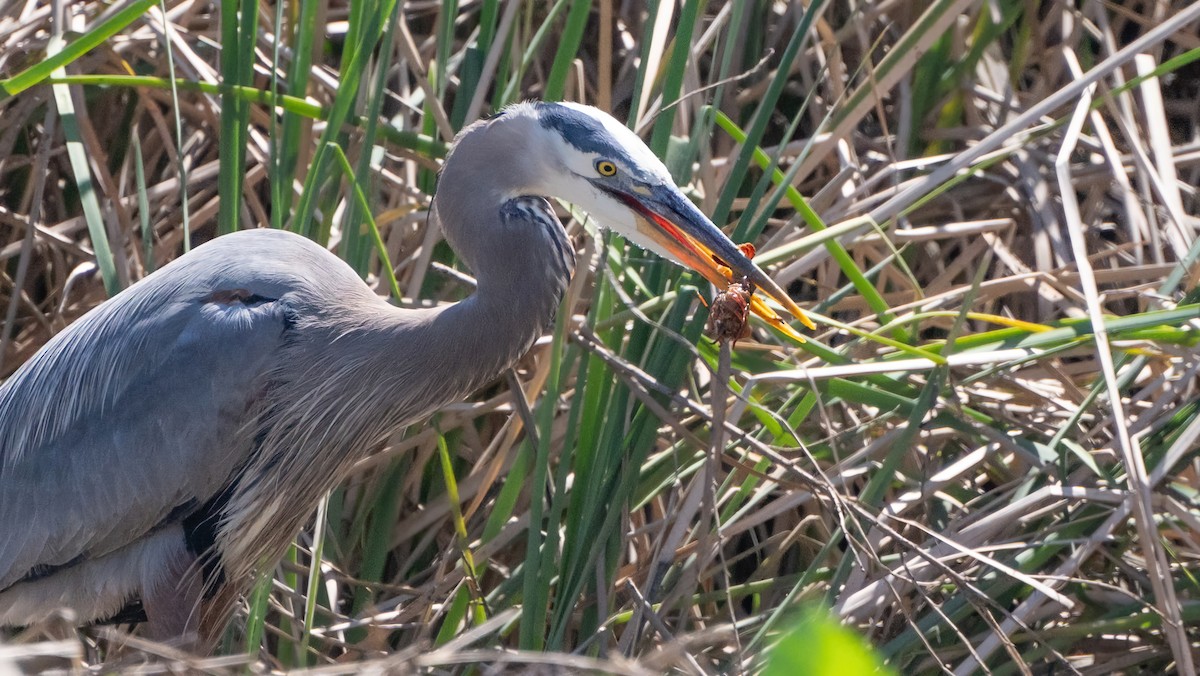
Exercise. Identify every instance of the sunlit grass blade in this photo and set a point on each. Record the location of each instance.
(364, 34)
(478, 612)
(409, 140)
(568, 47)
(364, 209)
(355, 242)
(71, 51)
(143, 206)
(509, 94)
(238, 30)
(88, 199)
(304, 39)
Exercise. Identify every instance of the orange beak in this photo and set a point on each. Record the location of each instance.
(681, 230)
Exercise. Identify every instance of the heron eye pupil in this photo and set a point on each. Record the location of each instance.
(606, 168)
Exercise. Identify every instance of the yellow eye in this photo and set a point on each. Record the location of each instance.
(606, 168)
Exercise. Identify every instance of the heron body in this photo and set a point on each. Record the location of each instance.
(167, 446)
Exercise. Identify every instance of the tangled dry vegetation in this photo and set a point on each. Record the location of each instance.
(984, 461)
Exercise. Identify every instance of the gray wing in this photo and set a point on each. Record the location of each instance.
(139, 411)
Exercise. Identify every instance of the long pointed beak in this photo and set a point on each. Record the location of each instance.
(676, 225)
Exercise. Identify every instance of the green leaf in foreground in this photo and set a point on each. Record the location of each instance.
(817, 645)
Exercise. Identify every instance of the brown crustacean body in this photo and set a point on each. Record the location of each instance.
(729, 312)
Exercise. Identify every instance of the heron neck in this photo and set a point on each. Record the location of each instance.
(518, 294)
(510, 239)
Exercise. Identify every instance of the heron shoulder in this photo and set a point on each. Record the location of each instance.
(269, 263)
(135, 409)
(236, 290)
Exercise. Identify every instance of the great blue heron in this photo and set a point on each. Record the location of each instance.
(169, 444)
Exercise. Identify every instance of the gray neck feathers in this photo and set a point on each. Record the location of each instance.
(490, 211)
(393, 366)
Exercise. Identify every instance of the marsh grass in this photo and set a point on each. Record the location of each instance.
(984, 461)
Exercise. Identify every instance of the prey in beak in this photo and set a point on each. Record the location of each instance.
(676, 226)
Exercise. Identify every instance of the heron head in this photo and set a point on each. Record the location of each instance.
(601, 166)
